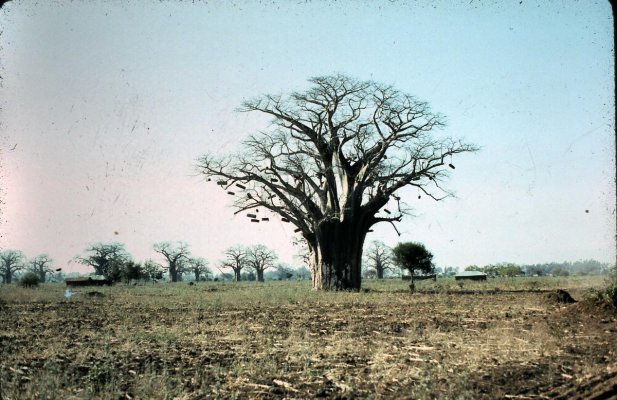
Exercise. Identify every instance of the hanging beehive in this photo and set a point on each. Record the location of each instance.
(386, 211)
(254, 220)
(231, 193)
(221, 183)
(251, 215)
(273, 180)
(451, 166)
(370, 230)
(297, 230)
(396, 197)
(240, 186)
(265, 219)
(284, 220)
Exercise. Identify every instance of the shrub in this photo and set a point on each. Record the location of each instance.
(609, 294)
(30, 279)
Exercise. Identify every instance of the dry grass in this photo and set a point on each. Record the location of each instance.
(280, 339)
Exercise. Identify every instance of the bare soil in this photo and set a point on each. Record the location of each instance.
(364, 345)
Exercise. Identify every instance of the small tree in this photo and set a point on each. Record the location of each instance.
(11, 261)
(302, 273)
(132, 271)
(414, 257)
(175, 255)
(378, 257)
(284, 272)
(29, 280)
(41, 266)
(236, 259)
(509, 270)
(260, 258)
(199, 267)
(152, 270)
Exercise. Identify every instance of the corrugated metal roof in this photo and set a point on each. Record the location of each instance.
(471, 273)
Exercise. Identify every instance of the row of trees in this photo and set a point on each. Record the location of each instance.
(581, 267)
(112, 261)
(566, 268)
(14, 261)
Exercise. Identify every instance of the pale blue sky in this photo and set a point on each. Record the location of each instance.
(109, 104)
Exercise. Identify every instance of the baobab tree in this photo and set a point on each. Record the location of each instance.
(107, 259)
(41, 266)
(199, 267)
(11, 261)
(378, 257)
(260, 258)
(236, 259)
(331, 164)
(175, 255)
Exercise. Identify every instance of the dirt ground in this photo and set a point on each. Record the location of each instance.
(362, 345)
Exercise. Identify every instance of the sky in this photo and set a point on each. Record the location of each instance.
(106, 105)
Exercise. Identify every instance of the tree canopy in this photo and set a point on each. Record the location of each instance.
(414, 257)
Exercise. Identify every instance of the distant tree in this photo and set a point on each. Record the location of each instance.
(284, 272)
(450, 271)
(225, 276)
(413, 257)
(248, 276)
(41, 266)
(473, 268)
(107, 259)
(175, 255)
(334, 158)
(260, 258)
(378, 257)
(589, 267)
(236, 259)
(152, 270)
(508, 269)
(11, 261)
(132, 271)
(302, 273)
(29, 279)
(199, 267)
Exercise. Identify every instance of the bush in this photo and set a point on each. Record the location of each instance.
(609, 294)
(30, 279)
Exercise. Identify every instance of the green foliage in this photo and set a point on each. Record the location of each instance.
(132, 271)
(29, 279)
(566, 268)
(609, 294)
(414, 257)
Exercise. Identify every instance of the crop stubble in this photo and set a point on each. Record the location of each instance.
(270, 341)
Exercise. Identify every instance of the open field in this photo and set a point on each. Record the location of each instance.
(282, 340)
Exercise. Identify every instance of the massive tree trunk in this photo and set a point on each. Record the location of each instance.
(337, 255)
(260, 275)
(173, 272)
(379, 268)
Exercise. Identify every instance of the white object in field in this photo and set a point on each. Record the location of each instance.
(68, 293)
